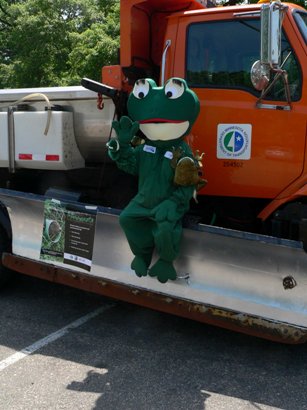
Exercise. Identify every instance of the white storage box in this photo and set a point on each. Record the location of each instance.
(55, 151)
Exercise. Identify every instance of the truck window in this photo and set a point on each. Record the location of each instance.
(301, 20)
(221, 54)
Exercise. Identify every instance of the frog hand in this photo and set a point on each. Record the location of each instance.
(125, 129)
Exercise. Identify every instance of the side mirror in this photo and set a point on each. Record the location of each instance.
(270, 37)
(271, 20)
(260, 75)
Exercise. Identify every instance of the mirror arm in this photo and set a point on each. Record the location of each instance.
(287, 88)
(279, 72)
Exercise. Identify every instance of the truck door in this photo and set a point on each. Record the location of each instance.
(249, 151)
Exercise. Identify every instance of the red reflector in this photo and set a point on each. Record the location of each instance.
(25, 156)
(52, 157)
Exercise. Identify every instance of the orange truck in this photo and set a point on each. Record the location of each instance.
(243, 260)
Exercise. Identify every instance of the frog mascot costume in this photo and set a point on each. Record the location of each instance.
(152, 219)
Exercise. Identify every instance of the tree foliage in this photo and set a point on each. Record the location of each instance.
(56, 42)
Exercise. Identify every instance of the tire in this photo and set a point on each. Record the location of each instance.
(5, 273)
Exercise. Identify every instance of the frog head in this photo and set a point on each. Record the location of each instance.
(164, 113)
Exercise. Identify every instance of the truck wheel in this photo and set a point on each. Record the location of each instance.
(5, 273)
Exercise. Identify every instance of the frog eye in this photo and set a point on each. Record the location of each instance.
(174, 89)
(141, 89)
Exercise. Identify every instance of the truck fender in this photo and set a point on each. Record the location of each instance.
(277, 203)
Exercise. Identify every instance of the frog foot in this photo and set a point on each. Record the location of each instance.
(163, 270)
(140, 266)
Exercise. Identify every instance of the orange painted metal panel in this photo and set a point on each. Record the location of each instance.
(143, 25)
(278, 137)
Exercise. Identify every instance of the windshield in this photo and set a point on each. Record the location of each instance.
(301, 20)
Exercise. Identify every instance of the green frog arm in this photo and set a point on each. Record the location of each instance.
(120, 150)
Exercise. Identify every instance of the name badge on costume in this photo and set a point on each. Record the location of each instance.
(169, 155)
(150, 149)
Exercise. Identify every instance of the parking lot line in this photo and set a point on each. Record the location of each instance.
(51, 338)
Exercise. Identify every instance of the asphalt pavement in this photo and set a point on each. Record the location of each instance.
(61, 348)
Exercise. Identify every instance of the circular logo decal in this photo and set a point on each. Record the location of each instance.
(233, 142)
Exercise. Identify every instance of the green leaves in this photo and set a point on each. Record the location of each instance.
(92, 49)
(56, 42)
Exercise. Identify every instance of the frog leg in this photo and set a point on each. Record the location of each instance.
(137, 226)
(167, 241)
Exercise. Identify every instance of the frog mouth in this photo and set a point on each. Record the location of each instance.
(159, 121)
(163, 129)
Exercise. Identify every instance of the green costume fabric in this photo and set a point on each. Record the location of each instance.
(152, 220)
